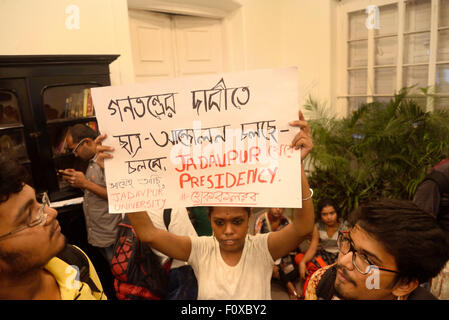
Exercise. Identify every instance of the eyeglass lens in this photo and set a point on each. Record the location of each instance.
(359, 262)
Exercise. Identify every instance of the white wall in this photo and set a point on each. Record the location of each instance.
(278, 33)
(260, 34)
(29, 27)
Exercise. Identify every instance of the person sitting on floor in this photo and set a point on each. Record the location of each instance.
(323, 248)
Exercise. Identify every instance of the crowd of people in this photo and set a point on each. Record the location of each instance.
(386, 249)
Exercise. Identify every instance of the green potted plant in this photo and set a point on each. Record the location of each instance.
(382, 150)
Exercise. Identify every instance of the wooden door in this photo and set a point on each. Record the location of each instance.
(168, 46)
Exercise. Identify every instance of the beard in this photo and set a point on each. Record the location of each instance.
(337, 288)
(20, 263)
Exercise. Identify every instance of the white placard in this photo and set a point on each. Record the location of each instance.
(213, 140)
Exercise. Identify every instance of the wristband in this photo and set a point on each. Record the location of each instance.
(310, 196)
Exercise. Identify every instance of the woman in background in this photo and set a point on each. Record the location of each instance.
(323, 248)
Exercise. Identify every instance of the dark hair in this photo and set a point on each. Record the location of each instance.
(80, 131)
(210, 209)
(412, 236)
(324, 203)
(13, 177)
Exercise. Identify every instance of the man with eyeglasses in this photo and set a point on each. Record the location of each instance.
(391, 249)
(33, 249)
(102, 227)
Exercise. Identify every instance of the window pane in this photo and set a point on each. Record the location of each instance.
(388, 18)
(358, 54)
(444, 13)
(442, 81)
(386, 51)
(415, 76)
(416, 48)
(384, 80)
(443, 46)
(421, 101)
(12, 143)
(441, 103)
(383, 99)
(357, 81)
(357, 28)
(354, 103)
(9, 108)
(417, 15)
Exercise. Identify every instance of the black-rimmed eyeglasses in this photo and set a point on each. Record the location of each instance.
(359, 260)
(78, 145)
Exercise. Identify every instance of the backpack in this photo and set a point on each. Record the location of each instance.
(74, 256)
(442, 181)
(138, 271)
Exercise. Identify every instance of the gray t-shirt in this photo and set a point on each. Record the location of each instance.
(102, 227)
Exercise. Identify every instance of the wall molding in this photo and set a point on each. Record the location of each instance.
(203, 8)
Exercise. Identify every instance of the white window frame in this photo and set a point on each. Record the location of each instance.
(348, 6)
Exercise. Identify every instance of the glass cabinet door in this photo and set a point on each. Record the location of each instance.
(64, 106)
(12, 140)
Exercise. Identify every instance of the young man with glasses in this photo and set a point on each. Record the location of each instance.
(32, 247)
(102, 227)
(391, 249)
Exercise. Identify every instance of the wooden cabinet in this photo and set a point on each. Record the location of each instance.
(40, 97)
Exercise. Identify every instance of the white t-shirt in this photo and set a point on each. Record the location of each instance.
(180, 225)
(250, 279)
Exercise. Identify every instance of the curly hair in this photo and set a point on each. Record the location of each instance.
(13, 177)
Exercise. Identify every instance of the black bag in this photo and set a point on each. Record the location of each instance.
(288, 269)
(442, 181)
(182, 284)
(138, 272)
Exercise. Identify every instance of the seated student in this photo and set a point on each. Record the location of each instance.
(391, 249)
(323, 245)
(34, 257)
(231, 264)
(285, 268)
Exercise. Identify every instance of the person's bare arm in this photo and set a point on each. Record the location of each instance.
(311, 251)
(173, 246)
(287, 239)
(77, 179)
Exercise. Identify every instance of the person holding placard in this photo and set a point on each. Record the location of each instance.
(231, 264)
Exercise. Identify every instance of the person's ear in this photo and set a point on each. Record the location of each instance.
(404, 287)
